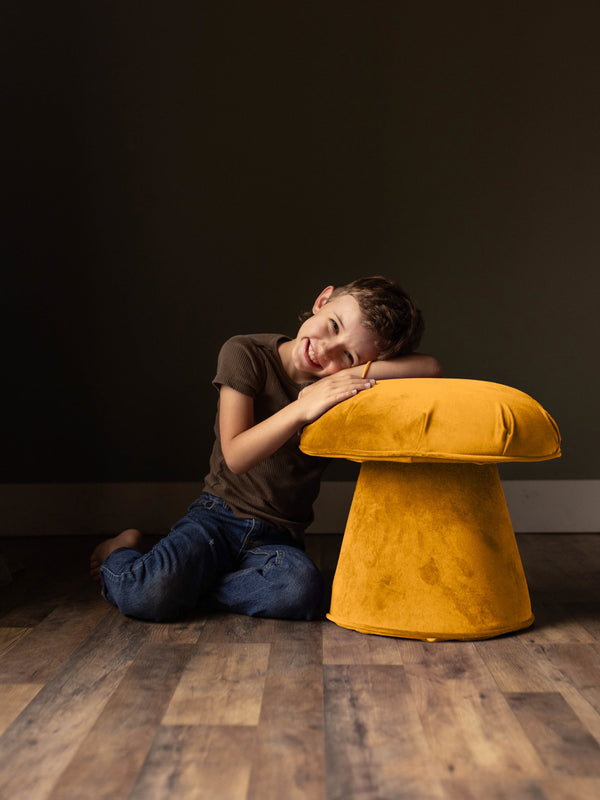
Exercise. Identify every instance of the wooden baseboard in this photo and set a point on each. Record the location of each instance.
(563, 506)
(552, 506)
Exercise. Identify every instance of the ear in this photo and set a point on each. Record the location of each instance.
(322, 299)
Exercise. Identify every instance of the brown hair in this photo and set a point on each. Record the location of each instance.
(388, 310)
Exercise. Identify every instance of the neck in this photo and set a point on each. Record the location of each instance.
(285, 354)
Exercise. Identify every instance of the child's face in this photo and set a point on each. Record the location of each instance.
(333, 338)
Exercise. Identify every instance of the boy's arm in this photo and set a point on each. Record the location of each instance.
(415, 365)
(245, 444)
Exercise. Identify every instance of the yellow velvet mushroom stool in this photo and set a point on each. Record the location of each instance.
(429, 550)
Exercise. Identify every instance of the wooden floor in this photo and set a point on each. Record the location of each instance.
(95, 705)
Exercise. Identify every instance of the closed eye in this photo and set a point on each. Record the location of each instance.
(336, 329)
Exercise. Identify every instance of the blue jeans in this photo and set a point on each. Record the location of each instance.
(241, 565)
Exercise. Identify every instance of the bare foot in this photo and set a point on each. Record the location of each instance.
(129, 538)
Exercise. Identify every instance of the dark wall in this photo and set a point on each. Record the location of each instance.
(177, 173)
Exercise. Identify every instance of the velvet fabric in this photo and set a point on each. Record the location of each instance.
(435, 419)
(429, 551)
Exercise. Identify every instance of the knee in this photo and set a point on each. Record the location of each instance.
(150, 608)
(303, 592)
(153, 601)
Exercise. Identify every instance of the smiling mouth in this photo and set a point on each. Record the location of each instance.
(311, 356)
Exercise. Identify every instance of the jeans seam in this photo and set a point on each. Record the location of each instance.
(272, 562)
(249, 533)
(134, 568)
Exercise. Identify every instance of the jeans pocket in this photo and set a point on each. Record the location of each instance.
(207, 502)
(266, 557)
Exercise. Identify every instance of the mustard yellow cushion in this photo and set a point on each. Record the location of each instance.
(435, 419)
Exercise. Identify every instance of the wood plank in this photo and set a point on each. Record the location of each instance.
(197, 763)
(14, 697)
(184, 632)
(288, 763)
(555, 789)
(592, 696)
(469, 726)
(289, 756)
(294, 679)
(493, 789)
(562, 742)
(222, 685)
(581, 556)
(399, 718)
(556, 624)
(374, 740)
(579, 663)
(237, 628)
(10, 636)
(27, 613)
(342, 646)
(520, 668)
(586, 705)
(37, 590)
(585, 549)
(571, 789)
(111, 755)
(411, 789)
(39, 655)
(446, 663)
(588, 616)
(564, 566)
(515, 666)
(39, 744)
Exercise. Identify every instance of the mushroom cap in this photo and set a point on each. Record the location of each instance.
(435, 419)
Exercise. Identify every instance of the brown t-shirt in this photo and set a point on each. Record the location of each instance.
(281, 489)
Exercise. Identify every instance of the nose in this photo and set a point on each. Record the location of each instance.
(333, 350)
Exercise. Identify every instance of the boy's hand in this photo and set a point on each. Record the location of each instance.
(246, 443)
(327, 392)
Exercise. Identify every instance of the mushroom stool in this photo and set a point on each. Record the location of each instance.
(429, 551)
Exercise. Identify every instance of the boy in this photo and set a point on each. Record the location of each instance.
(240, 545)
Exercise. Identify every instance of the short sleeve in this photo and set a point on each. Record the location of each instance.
(241, 366)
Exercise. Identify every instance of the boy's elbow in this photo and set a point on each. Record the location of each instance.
(435, 368)
(233, 466)
(426, 366)
(238, 470)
